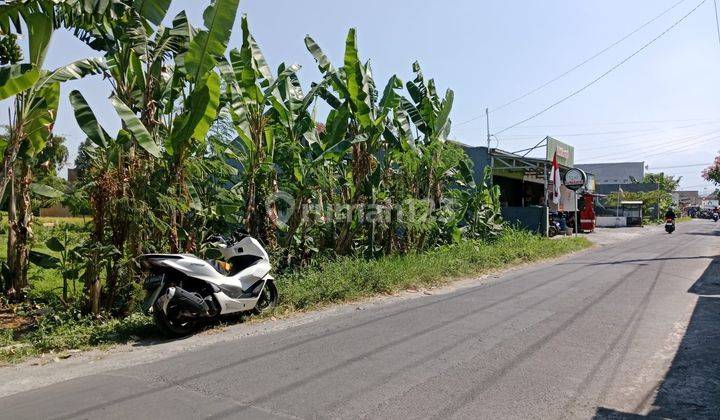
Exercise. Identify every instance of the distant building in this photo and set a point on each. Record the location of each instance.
(687, 199)
(615, 173)
(627, 188)
(72, 175)
(710, 201)
(58, 209)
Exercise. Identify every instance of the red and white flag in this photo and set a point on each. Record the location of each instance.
(555, 180)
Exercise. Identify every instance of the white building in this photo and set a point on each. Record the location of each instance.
(710, 201)
(615, 173)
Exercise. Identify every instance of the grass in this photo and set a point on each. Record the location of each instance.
(58, 333)
(681, 219)
(329, 282)
(47, 283)
(354, 278)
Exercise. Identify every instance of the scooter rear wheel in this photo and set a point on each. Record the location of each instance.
(172, 325)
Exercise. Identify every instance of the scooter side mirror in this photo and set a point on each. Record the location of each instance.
(216, 240)
(240, 233)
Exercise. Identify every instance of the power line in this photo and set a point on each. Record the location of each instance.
(602, 76)
(594, 133)
(664, 149)
(707, 120)
(686, 141)
(577, 66)
(598, 54)
(625, 122)
(641, 132)
(653, 141)
(704, 121)
(650, 141)
(680, 148)
(695, 165)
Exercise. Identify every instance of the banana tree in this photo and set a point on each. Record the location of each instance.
(183, 98)
(32, 117)
(262, 115)
(167, 96)
(198, 82)
(430, 114)
(353, 93)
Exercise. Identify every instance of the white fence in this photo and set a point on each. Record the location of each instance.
(611, 221)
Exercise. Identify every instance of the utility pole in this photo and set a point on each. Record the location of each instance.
(487, 121)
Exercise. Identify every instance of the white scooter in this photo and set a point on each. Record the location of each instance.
(185, 291)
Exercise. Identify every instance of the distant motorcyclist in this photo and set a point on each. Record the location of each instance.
(670, 214)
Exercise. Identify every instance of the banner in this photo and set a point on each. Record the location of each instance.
(565, 152)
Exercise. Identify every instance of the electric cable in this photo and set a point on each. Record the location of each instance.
(598, 54)
(684, 141)
(605, 74)
(620, 141)
(577, 66)
(661, 150)
(621, 123)
(680, 166)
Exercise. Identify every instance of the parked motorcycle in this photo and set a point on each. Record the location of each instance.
(715, 217)
(553, 229)
(184, 291)
(669, 225)
(556, 225)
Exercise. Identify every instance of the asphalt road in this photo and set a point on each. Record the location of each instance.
(618, 330)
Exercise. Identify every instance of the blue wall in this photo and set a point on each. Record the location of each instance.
(480, 158)
(534, 219)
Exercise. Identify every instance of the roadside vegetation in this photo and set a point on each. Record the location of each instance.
(350, 182)
(42, 328)
(353, 278)
(656, 202)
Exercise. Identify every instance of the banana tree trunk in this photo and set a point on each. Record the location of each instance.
(362, 163)
(342, 247)
(174, 239)
(9, 158)
(23, 232)
(295, 220)
(100, 200)
(176, 182)
(12, 237)
(250, 203)
(391, 238)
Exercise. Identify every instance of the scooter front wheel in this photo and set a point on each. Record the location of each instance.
(268, 298)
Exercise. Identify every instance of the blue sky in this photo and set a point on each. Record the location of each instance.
(489, 52)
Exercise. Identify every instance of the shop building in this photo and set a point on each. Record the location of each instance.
(524, 181)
